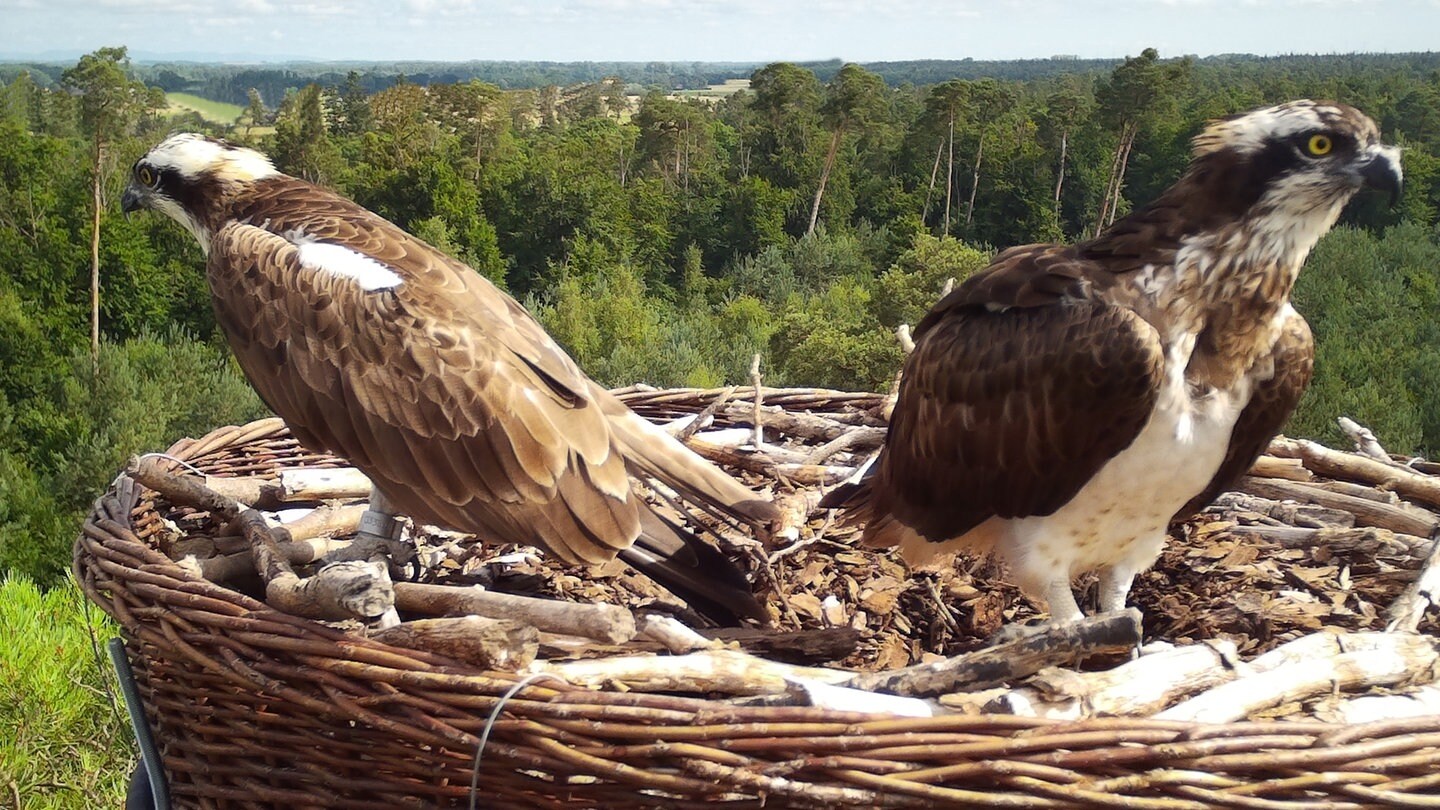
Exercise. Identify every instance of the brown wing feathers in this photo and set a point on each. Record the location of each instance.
(1020, 387)
(446, 392)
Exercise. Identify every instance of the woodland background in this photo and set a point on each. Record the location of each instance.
(665, 221)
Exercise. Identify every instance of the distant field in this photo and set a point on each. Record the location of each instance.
(216, 111)
(715, 92)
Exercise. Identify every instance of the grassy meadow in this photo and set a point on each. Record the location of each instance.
(64, 745)
(217, 112)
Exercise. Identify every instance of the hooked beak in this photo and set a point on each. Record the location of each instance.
(1379, 169)
(132, 200)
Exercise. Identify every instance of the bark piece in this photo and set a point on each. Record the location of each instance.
(500, 644)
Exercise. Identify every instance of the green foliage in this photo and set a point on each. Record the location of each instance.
(830, 340)
(907, 290)
(1371, 301)
(63, 742)
(145, 393)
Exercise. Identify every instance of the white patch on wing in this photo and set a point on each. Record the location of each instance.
(339, 260)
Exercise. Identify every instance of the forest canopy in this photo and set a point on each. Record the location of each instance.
(664, 234)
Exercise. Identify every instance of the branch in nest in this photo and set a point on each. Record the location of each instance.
(1138, 688)
(728, 671)
(1310, 666)
(1052, 645)
(610, 624)
(501, 644)
(340, 591)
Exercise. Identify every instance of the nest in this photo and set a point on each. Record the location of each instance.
(1275, 683)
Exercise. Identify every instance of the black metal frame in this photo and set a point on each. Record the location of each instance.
(148, 790)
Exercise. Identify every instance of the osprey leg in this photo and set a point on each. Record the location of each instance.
(1061, 600)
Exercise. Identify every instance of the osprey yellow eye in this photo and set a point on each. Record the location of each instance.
(1320, 145)
(146, 175)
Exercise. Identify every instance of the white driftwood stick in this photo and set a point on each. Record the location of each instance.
(320, 484)
(1138, 688)
(845, 699)
(673, 635)
(757, 400)
(1365, 440)
(1291, 469)
(1422, 702)
(1405, 613)
(1366, 659)
(727, 671)
(1384, 474)
(611, 624)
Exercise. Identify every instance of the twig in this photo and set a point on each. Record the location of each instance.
(342, 590)
(1353, 660)
(1405, 613)
(1364, 439)
(706, 416)
(860, 437)
(1140, 687)
(758, 401)
(673, 635)
(1053, 645)
(501, 644)
(608, 623)
(728, 671)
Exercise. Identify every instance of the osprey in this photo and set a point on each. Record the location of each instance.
(1065, 404)
(374, 346)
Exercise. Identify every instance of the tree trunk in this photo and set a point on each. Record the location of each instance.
(1111, 189)
(1120, 176)
(934, 170)
(95, 257)
(975, 179)
(825, 175)
(1060, 176)
(949, 173)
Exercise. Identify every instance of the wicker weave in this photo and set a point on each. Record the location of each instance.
(255, 708)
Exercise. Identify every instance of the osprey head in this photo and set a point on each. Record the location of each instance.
(186, 176)
(1298, 161)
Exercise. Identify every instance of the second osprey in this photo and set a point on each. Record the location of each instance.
(1065, 404)
(377, 347)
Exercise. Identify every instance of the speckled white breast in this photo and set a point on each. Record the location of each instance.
(1120, 517)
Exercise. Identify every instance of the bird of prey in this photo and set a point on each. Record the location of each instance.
(1064, 405)
(374, 346)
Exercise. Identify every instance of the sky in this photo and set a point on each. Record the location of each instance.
(709, 30)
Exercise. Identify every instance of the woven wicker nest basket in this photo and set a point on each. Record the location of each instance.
(257, 708)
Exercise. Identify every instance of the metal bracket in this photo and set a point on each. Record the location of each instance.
(159, 792)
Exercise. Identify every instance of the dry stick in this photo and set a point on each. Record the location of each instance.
(705, 416)
(758, 400)
(804, 425)
(1364, 439)
(306, 484)
(1053, 645)
(1302, 515)
(1140, 687)
(1404, 550)
(1314, 665)
(1422, 702)
(340, 591)
(500, 644)
(1401, 518)
(862, 438)
(1354, 467)
(728, 671)
(1405, 613)
(608, 623)
(758, 463)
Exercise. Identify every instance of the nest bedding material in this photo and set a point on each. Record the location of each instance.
(257, 708)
